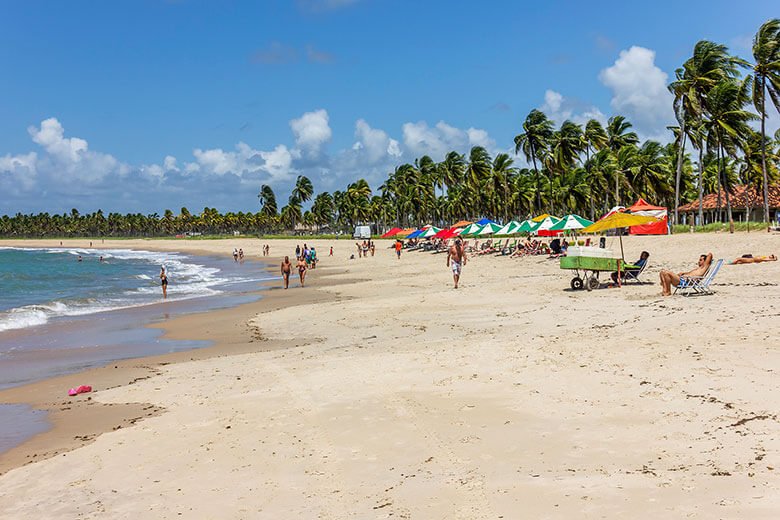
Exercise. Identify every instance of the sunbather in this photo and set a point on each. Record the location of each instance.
(750, 259)
(635, 268)
(670, 279)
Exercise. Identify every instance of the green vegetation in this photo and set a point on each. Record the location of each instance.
(572, 169)
(720, 227)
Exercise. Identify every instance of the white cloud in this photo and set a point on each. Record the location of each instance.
(169, 163)
(18, 172)
(312, 132)
(375, 143)
(71, 156)
(279, 162)
(639, 90)
(560, 108)
(421, 139)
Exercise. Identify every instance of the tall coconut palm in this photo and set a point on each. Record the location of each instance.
(267, 201)
(729, 125)
(534, 141)
(303, 189)
(710, 64)
(766, 80)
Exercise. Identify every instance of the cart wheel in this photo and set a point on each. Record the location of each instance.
(576, 283)
(593, 283)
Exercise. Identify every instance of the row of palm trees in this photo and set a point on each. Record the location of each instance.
(571, 168)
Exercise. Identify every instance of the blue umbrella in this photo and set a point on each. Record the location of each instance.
(485, 221)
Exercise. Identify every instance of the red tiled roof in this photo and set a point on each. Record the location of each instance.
(740, 198)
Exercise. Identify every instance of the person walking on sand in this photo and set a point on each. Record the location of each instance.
(331, 251)
(301, 269)
(398, 246)
(164, 282)
(670, 279)
(456, 259)
(286, 270)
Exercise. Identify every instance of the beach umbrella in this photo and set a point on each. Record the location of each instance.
(485, 221)
(527, 226)
(391, 233)
(619, 220)
(471, 229)
(428, 233)
(404, 233)
(416, 233)
(461, 224)
(509, 229)
(571, 222)
(542, 217)
(488, 229)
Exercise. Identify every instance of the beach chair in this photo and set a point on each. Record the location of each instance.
(697, 285)
(632, 275)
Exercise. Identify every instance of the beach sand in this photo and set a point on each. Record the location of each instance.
(379, 391)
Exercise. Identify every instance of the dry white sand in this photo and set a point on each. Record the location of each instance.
(511, 397)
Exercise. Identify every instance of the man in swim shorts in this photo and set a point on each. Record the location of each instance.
(286, 269)
(456, 259)
(671, 279)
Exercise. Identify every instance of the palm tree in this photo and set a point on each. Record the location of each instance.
(267, 201)
(303, 189)
(729, 125)
(766, 79)
(537, 131)
(618, 138)
(710, 64)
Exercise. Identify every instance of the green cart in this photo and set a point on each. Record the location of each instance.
(590, 267)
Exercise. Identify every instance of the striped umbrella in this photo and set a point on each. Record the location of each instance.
(488, 229)
(571, 222)
(430, 232)
(471, 229)
(509, 229)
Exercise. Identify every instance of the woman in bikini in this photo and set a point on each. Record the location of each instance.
(301, 269)
(164, 281)
(286, 269)
(750, 259)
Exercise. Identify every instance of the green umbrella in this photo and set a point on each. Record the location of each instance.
(509, 229)
(471, 229)
(571, 222)
(527, 226)
(432, 230)
(488, 229)
(547, 224)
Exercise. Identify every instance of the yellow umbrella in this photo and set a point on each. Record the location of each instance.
(618, 220)
(542, 217)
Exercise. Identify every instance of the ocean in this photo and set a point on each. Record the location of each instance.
(59, 315)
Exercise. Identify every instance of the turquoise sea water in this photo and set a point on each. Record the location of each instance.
(37, 285)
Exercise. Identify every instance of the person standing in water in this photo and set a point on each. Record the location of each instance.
(286, 269)
(164, 282)
(456, 258)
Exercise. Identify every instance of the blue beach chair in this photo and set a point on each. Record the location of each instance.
(690, 285)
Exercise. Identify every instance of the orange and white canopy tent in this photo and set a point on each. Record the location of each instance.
(661, 227)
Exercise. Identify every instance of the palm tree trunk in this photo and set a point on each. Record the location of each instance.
(722, 171)
(701, 184)
(680, 154)
(536, 172)
(763, 156)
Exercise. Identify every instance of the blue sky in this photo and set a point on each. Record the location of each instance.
(154, 104)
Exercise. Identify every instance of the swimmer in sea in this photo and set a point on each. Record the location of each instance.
(286, 269)
(164, 281)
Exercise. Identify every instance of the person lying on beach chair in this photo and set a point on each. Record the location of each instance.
(670, 279)
(632, 271)
(750, 259)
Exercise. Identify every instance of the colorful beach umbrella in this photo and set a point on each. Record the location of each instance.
(431, 231)
(488, 229)
(391, 233)
(571, 222)
(619, 220)
(541, 217)
(461, 224)
(527, 226)
(509, 229)
(485, 221)
(471, 229)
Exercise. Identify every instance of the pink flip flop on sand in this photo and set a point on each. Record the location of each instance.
(83, 389)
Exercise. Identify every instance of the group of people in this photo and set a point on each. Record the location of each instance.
(238, 255)
(365, 248)
(266, 250)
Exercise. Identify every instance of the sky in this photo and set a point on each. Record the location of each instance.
(142, 106)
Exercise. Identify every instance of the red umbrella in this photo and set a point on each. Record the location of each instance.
(391, 233)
